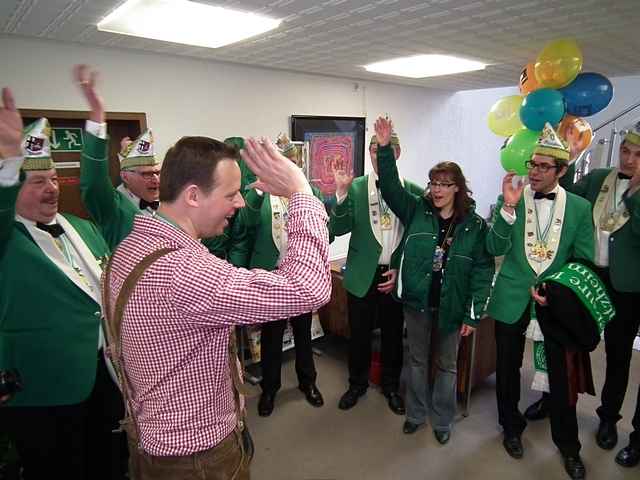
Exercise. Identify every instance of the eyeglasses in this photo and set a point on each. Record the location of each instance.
(542, 167)
(433, 185)
(147, 175)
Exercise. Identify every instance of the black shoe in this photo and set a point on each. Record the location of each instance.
(538, 410)
(442, 436)
(629, 456)
(574, 467)
(265, 405)
(513, 446)
(607, 436)
(350, 398)
(313, 395)
(396, 404)
(409, 427)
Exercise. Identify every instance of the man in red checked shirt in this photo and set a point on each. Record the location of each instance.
(179, 317)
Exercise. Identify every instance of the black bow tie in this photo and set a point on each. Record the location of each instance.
(548, 196)
(152, 205)
(55, 230)
(623, 176)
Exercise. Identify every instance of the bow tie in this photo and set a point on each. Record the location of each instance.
(55, 230)
(548, 196)
(623, 176)
(152, 205)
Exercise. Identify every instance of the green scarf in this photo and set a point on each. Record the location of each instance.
(592, 293)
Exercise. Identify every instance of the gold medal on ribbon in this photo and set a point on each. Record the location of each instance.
(608, 222)
(540, 252)
(385, 221)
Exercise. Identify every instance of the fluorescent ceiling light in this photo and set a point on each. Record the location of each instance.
(421, 66)
(182, 21)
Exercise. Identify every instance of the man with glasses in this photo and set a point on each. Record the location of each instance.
(538, 228)
(613, 194)
(376, 237)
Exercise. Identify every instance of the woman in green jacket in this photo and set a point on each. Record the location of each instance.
(444, 280)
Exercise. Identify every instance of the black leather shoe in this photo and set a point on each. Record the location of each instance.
(513, 446)
(574, 467)
(313, 395)
(538, 410)
(265, 405)
(409, 428)
(607, 436)
(350, 398)
(629, 456)
(396, 404)
(442, 436)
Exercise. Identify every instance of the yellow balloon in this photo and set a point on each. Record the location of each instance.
(559, 63)
(504, 116)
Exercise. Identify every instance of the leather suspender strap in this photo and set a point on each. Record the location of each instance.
(113, 327)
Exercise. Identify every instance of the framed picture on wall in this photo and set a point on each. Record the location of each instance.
(330, 141)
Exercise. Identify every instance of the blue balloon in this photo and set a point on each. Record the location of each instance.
(542, 106)
(588, 94)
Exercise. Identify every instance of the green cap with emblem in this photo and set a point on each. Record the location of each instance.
(139, 153)
(633, 135)
(551, 145)
(36, 145)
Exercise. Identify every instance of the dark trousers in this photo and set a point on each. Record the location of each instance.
(74, 442)
(381, 309)
(619, 335)
(562, 415)
(271, 352)
(510, 342)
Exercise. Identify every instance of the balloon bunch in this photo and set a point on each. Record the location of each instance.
(553, 90)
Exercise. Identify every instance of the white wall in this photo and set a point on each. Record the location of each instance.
(184, 96)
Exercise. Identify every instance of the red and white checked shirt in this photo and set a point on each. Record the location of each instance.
(176, 327)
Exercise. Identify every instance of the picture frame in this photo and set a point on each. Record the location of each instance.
(329, 141)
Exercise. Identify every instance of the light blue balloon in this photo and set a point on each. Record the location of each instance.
(588, 94)
(542, 106)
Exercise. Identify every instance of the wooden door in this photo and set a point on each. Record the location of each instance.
(68, 125)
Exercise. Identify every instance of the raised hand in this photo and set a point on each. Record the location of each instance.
(86, 80)
(342, 178)
(384, 129)
(124, 143)
(10, 127)
(511, 193)
(276, 173)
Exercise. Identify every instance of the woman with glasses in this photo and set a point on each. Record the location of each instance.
(444, 280)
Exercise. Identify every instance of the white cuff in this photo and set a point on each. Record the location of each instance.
(96, 129)
(510, 218)
(10, 171)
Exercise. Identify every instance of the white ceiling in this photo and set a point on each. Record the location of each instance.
(337, 37)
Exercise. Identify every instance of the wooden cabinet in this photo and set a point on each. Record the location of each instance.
(333, 316)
